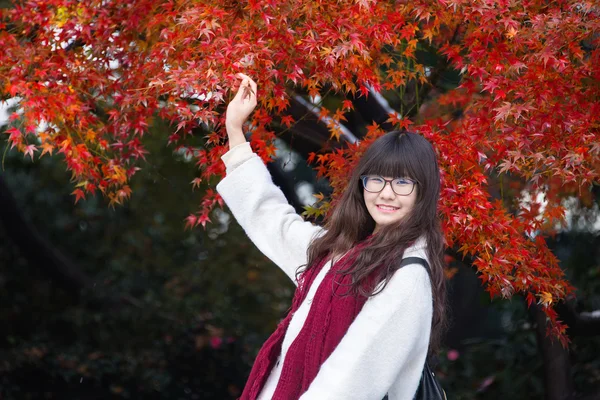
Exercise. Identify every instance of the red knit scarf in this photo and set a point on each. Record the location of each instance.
(331, 313)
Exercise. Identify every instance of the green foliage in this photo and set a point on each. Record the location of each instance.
(170, 310)
(508, 367)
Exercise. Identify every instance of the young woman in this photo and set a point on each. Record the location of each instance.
(360, 324)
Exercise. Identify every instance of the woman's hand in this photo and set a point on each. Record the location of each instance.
(239, 109)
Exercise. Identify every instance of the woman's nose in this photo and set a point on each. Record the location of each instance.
(387, 192)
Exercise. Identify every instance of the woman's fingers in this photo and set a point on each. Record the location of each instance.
(243, 76)
(252, 84)
(241, 93)
(247, 81)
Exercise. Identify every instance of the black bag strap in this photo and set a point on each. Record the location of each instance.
(424, 263)
(416, 260)
(429, 387)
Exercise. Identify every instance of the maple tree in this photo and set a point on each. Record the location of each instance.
(92, 76)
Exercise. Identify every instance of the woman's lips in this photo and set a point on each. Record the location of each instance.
(387, 209)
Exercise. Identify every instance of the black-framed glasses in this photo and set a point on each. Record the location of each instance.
(376, 183)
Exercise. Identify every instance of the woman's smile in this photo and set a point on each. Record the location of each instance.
(387, 209)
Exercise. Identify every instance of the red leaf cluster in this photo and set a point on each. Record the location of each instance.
(93, 76)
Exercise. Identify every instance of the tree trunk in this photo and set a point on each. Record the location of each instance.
(558, 383)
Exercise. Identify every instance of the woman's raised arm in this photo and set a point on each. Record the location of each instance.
(256, 202)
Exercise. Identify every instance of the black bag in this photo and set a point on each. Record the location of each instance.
(429, 387)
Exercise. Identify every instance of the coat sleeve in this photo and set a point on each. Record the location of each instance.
(385, 347)
(262, 210)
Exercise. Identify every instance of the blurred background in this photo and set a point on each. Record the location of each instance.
(125, 303)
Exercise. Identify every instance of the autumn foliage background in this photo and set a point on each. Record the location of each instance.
(119, 92)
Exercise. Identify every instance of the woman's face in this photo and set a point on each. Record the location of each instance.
(387, 207)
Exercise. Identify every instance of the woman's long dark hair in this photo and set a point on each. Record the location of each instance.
(395, 154)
